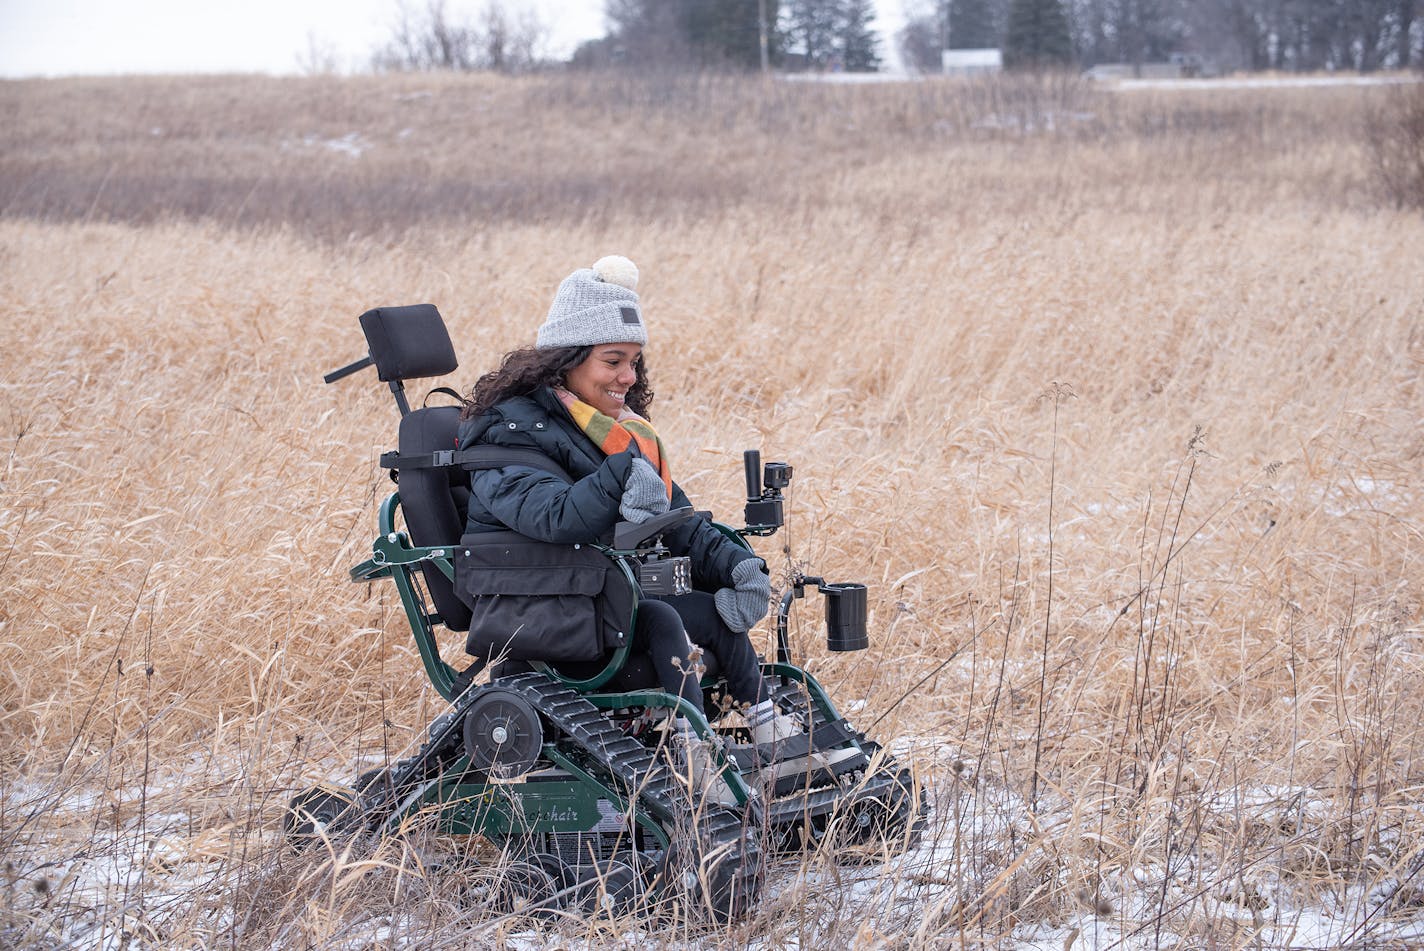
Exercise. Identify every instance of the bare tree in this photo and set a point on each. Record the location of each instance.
(526, 40)
(496, 38)
(318, 58)
(920, 39)
(1403, 34)
(435, 39)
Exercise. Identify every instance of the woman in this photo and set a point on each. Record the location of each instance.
(580, 397)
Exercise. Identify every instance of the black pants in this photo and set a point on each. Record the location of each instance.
(660, 641)
(732, 649)
(663, 637)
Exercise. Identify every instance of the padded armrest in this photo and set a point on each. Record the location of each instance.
(629, 535)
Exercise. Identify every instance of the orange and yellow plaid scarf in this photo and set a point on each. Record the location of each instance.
(614, 435)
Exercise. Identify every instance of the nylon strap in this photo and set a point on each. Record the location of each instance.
(447, 392)
(476, 457)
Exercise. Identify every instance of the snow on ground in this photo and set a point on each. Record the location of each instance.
(1245, 81)
(844, 78)
(1256, 82)
(983, 852)
(352, 144)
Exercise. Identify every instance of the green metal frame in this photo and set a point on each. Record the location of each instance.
(498, 809)
(639, 816)
(393, 556)
(813, 687)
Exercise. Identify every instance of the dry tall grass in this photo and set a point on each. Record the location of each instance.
(1114, 402)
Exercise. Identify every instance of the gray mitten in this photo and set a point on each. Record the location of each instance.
(644, 494)
(746, 603)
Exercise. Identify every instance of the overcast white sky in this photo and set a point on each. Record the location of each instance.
(68, 37)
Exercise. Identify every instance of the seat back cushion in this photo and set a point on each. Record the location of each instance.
(434, 501)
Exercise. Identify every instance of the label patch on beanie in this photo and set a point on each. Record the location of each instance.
(630, 315)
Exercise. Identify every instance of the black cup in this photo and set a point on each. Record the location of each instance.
(845, 616)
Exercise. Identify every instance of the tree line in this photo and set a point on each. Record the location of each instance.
(835, 35)
(796, 34)
(1293, 35)
(507, 36)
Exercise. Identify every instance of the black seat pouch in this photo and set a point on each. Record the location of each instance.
(532, 600)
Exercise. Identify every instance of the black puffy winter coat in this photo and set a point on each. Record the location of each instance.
(542, 506)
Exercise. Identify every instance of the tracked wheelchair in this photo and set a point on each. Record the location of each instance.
(544, 756)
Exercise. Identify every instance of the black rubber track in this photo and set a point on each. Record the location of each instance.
(714, 864)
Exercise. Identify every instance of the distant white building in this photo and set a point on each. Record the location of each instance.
(970, 62)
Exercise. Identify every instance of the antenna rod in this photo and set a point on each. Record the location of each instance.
(349, 369)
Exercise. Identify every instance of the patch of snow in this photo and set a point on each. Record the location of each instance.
(1041, 122)
(352, 144)
(349, 144)
(1361, 493)
(847, 78)
(981, 839)
(1254, 82)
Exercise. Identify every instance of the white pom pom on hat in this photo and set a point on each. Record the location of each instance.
(616, 269)
(595, 305)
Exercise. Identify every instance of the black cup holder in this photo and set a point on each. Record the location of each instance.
(845, 616)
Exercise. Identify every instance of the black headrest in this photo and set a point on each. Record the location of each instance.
(407, 343)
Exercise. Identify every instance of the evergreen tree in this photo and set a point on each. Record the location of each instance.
(643, 33)
(724, 31)
(974, 24)
(834, 31)
(701, 32)
(858, 42)
(1037, 36)
(811, 28)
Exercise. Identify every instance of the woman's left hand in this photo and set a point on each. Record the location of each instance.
(644, 495)
(746, 602)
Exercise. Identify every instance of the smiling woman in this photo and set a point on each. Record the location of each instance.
(579, 399)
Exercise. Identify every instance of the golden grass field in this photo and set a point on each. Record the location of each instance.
(1113, 399)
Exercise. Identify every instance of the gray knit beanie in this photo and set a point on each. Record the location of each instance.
(595, 305)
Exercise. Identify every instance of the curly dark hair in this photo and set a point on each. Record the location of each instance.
(521, 372)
